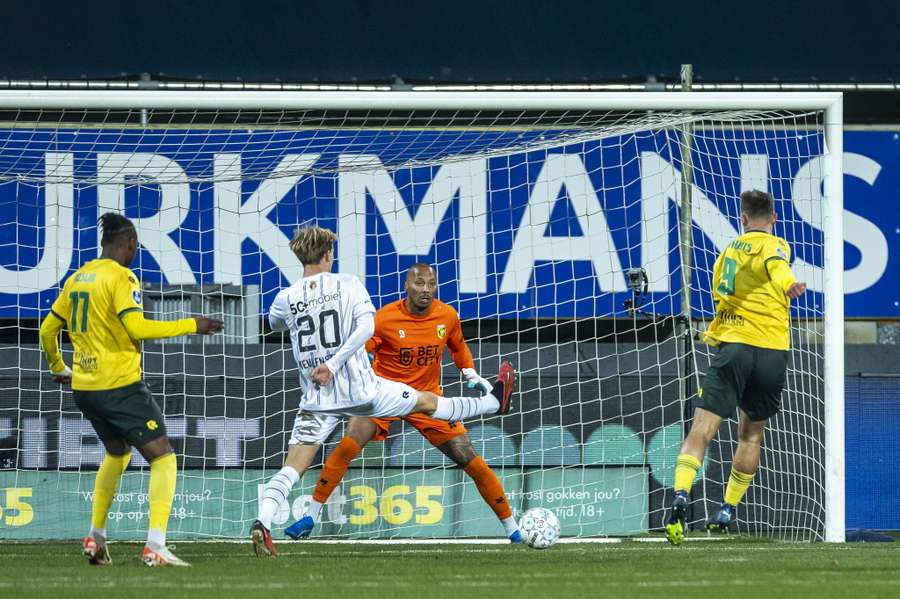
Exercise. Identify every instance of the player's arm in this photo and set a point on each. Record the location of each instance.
(373, 344)
(363, 313)
(139, 328)
(363, 329)
(278, 313)
(781, 276)
(49, 336)
(127, 302)
(462, 357)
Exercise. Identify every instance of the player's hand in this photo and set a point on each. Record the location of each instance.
(208, 326)
(321, 375)
(796, 290)
(473, 380)
(64, 376)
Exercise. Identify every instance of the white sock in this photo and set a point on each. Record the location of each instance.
(510, 525)
(463, 408)
(275, 494)
(314, 510)
(98, 534)
(156, 539)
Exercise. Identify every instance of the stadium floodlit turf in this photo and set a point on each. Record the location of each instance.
(729, 568)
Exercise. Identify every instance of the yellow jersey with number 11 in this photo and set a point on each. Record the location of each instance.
(749, 281)
(92, 302)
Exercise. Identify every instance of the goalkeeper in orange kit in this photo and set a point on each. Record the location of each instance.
(409, 340)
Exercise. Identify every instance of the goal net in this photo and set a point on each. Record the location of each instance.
(574, 235)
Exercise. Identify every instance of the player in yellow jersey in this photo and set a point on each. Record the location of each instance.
(101, 306)
(752, 287)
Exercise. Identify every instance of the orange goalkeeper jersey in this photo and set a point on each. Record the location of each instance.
(408, 348)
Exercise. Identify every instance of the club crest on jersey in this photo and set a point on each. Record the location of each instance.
(406, 355)
(441, 331)
(402, 333)
(136, 296)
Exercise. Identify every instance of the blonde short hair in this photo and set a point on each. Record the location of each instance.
(310, 244)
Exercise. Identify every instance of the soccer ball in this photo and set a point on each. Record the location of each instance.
(539, 527)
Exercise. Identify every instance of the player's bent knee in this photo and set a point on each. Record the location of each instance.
(156, 448)
(426, 403)
(300, 455)
(361, 430)
(460, 450)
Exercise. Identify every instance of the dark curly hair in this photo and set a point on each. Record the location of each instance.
(116, 228)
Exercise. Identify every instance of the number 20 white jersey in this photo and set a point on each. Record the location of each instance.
(320, 312)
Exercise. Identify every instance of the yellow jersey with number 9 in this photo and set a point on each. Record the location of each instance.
(749, 282)
(91, 304)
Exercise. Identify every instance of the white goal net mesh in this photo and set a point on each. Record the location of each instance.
(555, 235)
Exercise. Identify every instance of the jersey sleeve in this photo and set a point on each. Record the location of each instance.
(126, 294)
(777, 263)
(278, 313)
(717, 277)
(62, 307)
(462, 357)
(360, 302)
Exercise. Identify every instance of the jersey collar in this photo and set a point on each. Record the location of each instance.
(406, 311)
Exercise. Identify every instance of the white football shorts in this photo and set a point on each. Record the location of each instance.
(314, 424)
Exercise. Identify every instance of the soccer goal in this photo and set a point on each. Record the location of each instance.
(575, 234)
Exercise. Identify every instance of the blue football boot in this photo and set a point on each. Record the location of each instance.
(720, 522)
(301, 528)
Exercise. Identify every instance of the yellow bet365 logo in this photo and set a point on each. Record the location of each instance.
(15, 510)
(152, 425)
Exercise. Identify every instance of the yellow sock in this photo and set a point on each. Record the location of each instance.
(737, 486)
(686, 467)
(105, 486)
(163, 474)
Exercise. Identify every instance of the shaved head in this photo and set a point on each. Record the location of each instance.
(420, 288)
(420, 269)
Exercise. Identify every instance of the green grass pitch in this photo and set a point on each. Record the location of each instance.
(729, 568)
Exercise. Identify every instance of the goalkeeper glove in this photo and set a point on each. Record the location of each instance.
(473, 380)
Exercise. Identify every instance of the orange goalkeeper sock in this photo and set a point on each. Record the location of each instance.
(489, 486)
(335, 468)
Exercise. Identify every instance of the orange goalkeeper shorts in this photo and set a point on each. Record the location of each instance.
(436, 431)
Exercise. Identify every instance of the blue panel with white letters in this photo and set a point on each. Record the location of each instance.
(596, 202)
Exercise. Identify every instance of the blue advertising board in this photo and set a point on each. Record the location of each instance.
(545, 233)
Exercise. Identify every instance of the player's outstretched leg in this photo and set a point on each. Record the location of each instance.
(504, 387)
(498, 401)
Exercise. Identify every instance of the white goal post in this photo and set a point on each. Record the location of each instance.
(53, 123)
